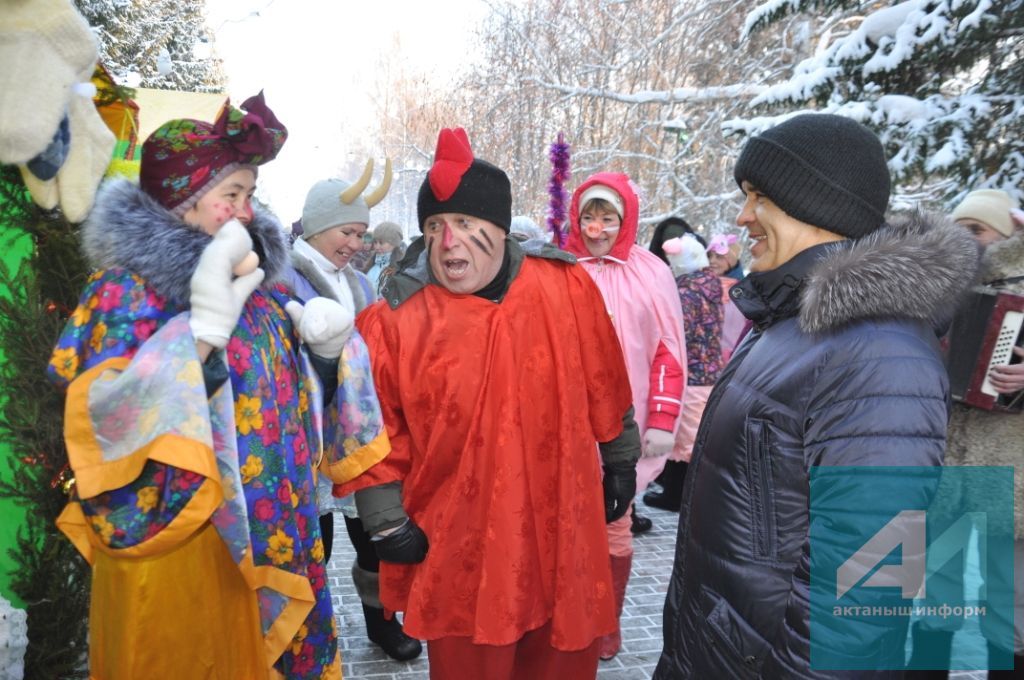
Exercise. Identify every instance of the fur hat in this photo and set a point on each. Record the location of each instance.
(668, 228)
(988, 206)
(822, 169)
(388, 232)
(685, 254)
(45, 48)
(525, 228)
(459, 183)
(185, 158)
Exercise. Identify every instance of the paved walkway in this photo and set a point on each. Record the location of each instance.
(641, 616)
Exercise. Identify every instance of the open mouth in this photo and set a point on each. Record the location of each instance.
(455, 268)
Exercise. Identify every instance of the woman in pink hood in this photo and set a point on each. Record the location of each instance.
(641, 297)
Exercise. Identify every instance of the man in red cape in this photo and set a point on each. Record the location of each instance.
(498, 372)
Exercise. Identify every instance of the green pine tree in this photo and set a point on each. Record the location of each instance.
(50, 577)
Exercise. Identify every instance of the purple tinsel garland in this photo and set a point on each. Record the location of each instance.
(559, 156)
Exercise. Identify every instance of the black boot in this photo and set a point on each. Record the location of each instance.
(672, 482)
(1002, 657)
(930, 648)
(390, 636)
(639, 525)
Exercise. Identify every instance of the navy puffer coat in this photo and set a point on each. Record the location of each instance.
(842, 367)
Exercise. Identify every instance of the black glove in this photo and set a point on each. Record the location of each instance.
(406, 545)
(619, 489)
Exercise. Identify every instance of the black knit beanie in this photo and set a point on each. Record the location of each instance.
(484, 191)
(822, 169)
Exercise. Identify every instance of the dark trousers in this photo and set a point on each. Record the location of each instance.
(366, 556)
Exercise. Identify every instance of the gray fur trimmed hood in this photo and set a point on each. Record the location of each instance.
(918, 266)
(1003, 260)
(128, 229)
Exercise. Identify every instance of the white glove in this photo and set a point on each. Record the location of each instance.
(657, 442)
(217, 297)
(323, 324)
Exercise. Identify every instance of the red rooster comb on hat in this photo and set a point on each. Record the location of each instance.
(451, 161)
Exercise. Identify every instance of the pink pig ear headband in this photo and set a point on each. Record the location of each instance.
(720, 243)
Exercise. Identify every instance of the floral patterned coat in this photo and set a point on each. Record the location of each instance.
(244, 459)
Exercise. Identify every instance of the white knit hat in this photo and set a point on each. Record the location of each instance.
(45, 47)
(605, 193)
(988, 206)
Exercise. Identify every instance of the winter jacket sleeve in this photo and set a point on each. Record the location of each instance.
(626, 447)
(667, 377)
(880, 399)
(667, 380)
(380, 507)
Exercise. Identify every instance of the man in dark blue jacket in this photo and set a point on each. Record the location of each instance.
(841, 368)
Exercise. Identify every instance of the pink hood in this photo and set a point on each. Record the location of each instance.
(627, 232)
(640, 293)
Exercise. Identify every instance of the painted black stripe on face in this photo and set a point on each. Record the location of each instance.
(479, 244)
(487, 238)
(430, 245)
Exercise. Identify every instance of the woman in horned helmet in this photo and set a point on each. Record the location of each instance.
(335, 218)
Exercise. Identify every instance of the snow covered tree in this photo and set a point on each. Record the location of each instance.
(637, 87)
(941, 82)
(154, 43)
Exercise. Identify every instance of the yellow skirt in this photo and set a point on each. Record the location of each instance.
(184, 614)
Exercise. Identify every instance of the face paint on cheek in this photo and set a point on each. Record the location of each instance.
(430, 246)
(479, 244)
(487, 238)
(221, 213)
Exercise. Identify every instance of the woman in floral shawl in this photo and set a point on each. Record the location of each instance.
(194, 419)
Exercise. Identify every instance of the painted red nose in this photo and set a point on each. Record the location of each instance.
(447, 238)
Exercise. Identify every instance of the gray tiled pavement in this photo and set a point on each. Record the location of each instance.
(641, 616)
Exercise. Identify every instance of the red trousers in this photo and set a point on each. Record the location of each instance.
(530, 658)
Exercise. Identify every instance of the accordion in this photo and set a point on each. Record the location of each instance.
(985, 330)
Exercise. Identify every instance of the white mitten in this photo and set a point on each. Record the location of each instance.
(657, 442)
(217, 297)
(323, 324)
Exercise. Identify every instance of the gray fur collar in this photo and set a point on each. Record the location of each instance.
(1005, 259)
(916, 267)
(128, 229)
